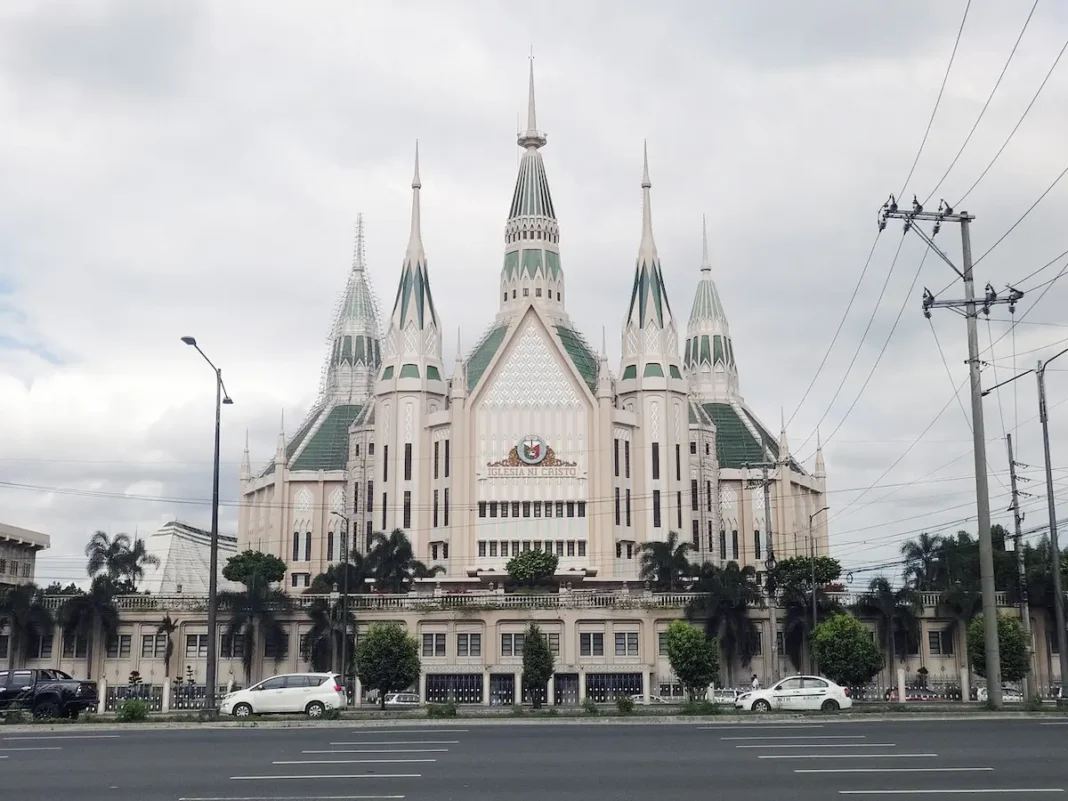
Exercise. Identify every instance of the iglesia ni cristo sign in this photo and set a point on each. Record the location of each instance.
(531, 457)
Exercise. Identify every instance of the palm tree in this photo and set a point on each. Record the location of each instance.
(664, 564)
(359, 570)
(107, 555)
(167, 627)
(322, 643)
(22, 609)
(893, 610)
(91, 615)
(252, 611)
(724, 610)
(797, 622)
(921, 561)
(394, 563)
(134, 561)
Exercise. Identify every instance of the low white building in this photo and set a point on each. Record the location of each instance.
(18, 553)
(184, 554)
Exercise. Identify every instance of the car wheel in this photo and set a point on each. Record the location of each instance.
(242, 711)
(315, 709)
(830, 705)
(761, 706)
(46, 709)
(73, 714)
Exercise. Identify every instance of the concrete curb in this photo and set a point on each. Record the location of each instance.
(458, 723)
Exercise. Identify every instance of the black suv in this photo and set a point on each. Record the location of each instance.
(46, 693)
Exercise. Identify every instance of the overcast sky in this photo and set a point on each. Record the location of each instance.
(197, 167)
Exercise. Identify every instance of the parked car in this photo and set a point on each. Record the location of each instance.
(653, 700)
(293, 693)
(795, 694)
(402, 700)
(1008, 695)
(46, 693)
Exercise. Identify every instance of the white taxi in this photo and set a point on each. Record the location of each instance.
(796, 694)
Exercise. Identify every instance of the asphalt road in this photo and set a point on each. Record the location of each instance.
(805, 761)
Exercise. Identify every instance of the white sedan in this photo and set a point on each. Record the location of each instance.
(797, 694)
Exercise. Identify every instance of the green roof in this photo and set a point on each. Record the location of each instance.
(483, 354)
(735, 443)
(328, 448)
(581, 355)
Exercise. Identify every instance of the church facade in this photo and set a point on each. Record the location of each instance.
(531, 440)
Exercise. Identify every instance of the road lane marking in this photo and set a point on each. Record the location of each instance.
(820, 745)
(973, 791)
(343, 761)
(387, 730)
(401, 742)
(68, 737)
(381, 751)
(765, 726)
(846, 756)
(888, 770)
(37, 748)
(801, 737)
(290, 798)
(1058, 723)
(3, 757)
(329, 776)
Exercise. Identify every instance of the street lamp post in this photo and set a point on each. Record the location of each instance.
(812, 560)
(344, 602)
(1055, 555)
(221, 397)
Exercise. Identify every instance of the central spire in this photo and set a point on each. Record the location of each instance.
(531, 272)
(415, 238)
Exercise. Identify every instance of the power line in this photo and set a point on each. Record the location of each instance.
(1022, 216)
(1016, 127)
(986, 105)
(938, 100)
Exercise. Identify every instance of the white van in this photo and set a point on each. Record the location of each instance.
(310, 693)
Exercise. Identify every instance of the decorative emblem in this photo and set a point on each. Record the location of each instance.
(531, 450)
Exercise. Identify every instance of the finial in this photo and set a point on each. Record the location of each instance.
(706, 266)
(282, 430)
(358, 262)
(246, 439)
(782, 419)
(459, 345)
(416, 183)
(415, 239)
(604, 342)
(646, 183)
(531, 137)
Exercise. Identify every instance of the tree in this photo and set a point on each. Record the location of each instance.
(254, 567)
(22, 609)
(1012, 645)
(55, 588)
(255, 610)
(921, 561)
(537, 663)
(395, 565)
(846, 652)
(91, 615)
(531, 568)
(723, 610)
(665, 564)
(119, 558)
(323, 642)
(792, 584)
(387, 659)
(359, 569)
(167, 627)
(894, 611)
(694, 657)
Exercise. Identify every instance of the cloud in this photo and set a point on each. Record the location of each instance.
(196, 169)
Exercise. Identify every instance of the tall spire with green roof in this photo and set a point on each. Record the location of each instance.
(709, 351)
(355, 351)
(650, 335)
(531, 271)
(413, 341)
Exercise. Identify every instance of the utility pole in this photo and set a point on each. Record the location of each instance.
(1055, 555)
(1025, 611)
(344, 600)
(812, 562)
(982, 492)
(769, 563)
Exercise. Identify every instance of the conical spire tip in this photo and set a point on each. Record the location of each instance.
(646, 183)
(416, 183)
(706, 265)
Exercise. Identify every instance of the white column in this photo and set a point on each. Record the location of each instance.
(550, 691)
(165, 702)
(645, 687)
(485, 688)
(965, 687)
(102, 689)
(901, 685)
(357, 692)
(582, 680)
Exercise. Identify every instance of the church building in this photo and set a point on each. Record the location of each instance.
(530, 440)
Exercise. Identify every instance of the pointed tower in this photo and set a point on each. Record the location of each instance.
(413, 342)
(410, 388)
(355, 351)
(709, 352)
(650, 335)
(531, 271)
